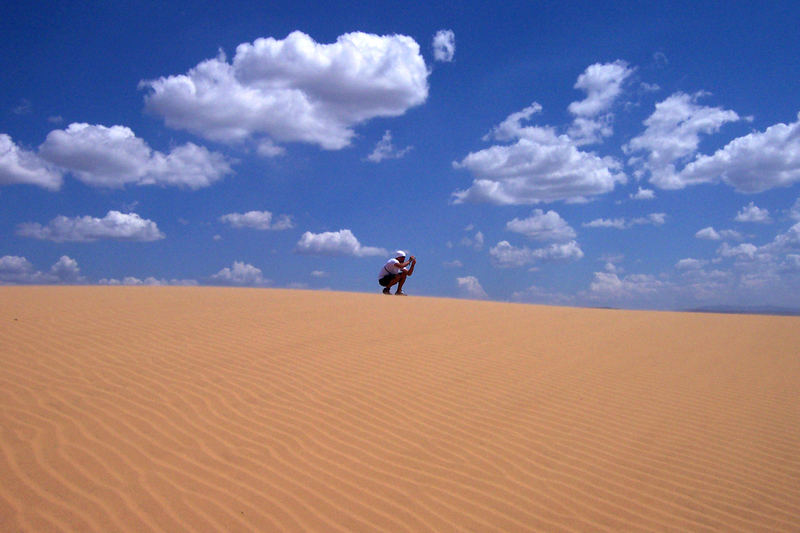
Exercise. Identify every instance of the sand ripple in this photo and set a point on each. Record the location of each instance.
(204, 409)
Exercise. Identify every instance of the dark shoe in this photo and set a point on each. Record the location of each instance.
(387, 291)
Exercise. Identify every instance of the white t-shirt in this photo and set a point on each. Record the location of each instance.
(390, 268)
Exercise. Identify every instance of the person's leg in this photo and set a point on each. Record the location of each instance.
(400, 280)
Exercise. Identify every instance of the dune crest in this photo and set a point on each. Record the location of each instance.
(170, 409)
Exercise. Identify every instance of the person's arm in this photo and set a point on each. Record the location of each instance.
(413, 262)
(406, 263)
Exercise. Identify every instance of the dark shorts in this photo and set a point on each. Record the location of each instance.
(387, 279)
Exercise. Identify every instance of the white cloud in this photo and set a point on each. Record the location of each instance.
(745, 250)
(475, 242)
(789, 241)
(672, 135)
(444, 45)
(753, 163)
(711, 234)
(505, 255)
(690, 264)
(794, 212)
(470, 287)
(267, 148)
(115, 225)
(540, 167)
(609, 286)
(654, 219)
(386, 150)
(18, 270)
(294, 89)
(240, 273)
(753, 213)
(541, 226)
(616, 223)
(643, 194)
(114, 156)
(335, 243)
(602, 83)
(66, 269)
(261, 220)
(708, 233)
(148, 281)
(455, 263)
(22, 166)
(538, 295)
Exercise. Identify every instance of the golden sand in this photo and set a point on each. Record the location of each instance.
(202, 409)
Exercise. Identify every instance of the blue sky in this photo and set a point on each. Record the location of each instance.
(626, 155)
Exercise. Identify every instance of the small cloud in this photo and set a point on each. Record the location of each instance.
(444, 45)
(643, 194)
(260, 220)
(690, 264)
(240, 273)
(319, 274)
(455, 263)
(386, 150)
(741, 251)
(470, 287)
(504, 255)
(267, 148)
(335, 243)
(148, 281)
(654, 219)
(23, 107)
(55, 119)
(475, 242)
(708, 233)
(541, 226)
(752, 213)
(616, 223)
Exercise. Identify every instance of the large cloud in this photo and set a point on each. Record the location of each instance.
(115, 225)
(335, 243)
(114, 156)
(294, 89)
(672, 135)
(752, 163)
(23, 166)
(541, 166)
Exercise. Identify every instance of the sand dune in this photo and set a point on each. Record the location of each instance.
(202, 409)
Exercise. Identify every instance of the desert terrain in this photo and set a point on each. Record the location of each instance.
(222, 409)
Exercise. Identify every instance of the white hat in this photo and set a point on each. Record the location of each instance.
(399, 253)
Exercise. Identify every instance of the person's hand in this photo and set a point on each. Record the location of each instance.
(413, 259)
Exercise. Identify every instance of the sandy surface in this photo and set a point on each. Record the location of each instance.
(201, 409)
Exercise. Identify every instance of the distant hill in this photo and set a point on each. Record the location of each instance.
(748, 310)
